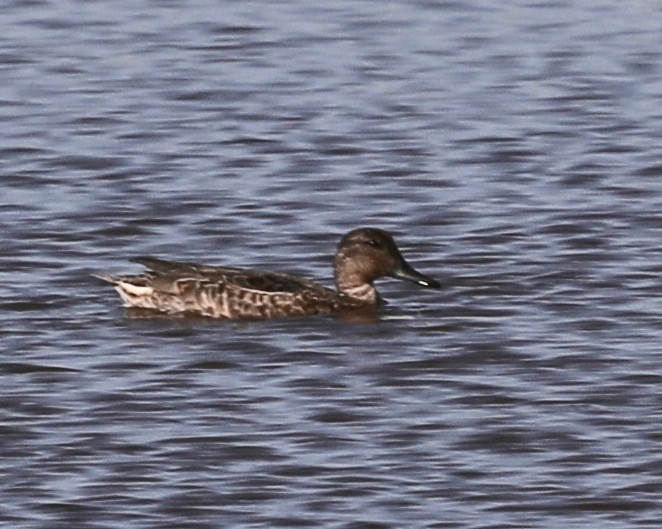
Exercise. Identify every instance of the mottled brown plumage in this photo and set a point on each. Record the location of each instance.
(363, 256)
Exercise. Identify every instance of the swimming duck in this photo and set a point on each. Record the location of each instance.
(173, 287)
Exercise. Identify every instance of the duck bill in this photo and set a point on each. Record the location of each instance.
(406, 272)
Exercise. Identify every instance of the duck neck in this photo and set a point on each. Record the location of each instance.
(357, 289)
(365, 293)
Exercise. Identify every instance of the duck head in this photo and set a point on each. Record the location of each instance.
(366, 254)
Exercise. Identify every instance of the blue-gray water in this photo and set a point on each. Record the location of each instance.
(512, 147)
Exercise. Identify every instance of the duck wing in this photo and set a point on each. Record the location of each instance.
(162, 266)
(169, 272)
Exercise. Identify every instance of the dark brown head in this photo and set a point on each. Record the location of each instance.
(367, 254)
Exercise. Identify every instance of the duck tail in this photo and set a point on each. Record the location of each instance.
(114, 280)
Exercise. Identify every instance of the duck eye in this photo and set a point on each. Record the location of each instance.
(374, 243)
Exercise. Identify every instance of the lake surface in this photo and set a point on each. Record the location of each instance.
(514, 150)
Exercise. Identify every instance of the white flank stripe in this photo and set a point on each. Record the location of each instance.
(136, 290)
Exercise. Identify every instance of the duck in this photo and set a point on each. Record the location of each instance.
(175, 287)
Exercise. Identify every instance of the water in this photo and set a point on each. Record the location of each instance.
(513, 149)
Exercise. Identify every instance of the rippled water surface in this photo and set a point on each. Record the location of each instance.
(514, 150)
